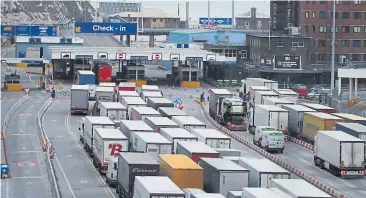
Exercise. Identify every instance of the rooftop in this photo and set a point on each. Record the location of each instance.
(276, 35)
(247, 15)
(147, 13)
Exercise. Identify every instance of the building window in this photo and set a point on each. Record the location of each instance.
(323, 2)
(243, 54)
(345, 29)
(154, 20)
(314, 28)
(364, 43)
(357, 2)
(345, 2)
(321, 57)
(356, 57)
(322, 28)
(161, 20)
(312, 56)
(323, 14)
(306, 28)
(336, 15)
(356, 43)
(345, 43)
(307, 14)
(312, 42)
(297, 44)
(313, 14)
(357, 15)
(356, 29)
(322, 43)
(331, 29)
(279, 44)
(345, 15)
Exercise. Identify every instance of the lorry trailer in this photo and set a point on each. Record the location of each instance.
(259, 96)
(107, 84)
(234, 194)
(196, 150)
(140, 113)
(104, 94)
(279, 102)
(228, 152)
(296, 118)
(350, 118)
(151, 88)
(103, 71)
(151, 143)
(157, 123)
(111, 175)
(188, 122)
(129, 126)
(236, 177)
(127, 86)
(207, 195)
(156, 103)
(177, 134)
(340, 153)
(130, 102)
(126, 94)
(263, 193)
(212, 138)
(253, 89)
(85, 78)
(156, 186)
(320, 108)
(355, 129)
(113, 110)
(169, 112)
(288, 95)
(107, 143)
(298, 188)
(149, 94)
(79, 99)
(248, 82)
(189, 192)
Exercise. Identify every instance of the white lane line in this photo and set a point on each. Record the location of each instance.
(30, 177)
(21, 134)
(26, 152)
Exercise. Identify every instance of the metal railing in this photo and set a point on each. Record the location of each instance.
(45, 141)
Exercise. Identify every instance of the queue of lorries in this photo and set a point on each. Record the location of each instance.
(146, 147)
(338, 138)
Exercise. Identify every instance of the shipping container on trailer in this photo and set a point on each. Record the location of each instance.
(270, 115)
(253, 89)
(152, 143)
(126, 94)
(350, 118)
(79, 99)
(113, 110)
(151, 88)
(207, 195)
(177, 134)
(131, 165)
(317, 121)
(91, 123)
(228, 152)
(298, 188)
(157, 123)
(140, 113)
(264, 193)
(85, 78)
(188, 122)
(192, 191)
(107, 143)
(130, 102)
(156, 103)
(127, 86)
(288, 95)
(111, 175)
(183, 171)
(296, 118)
(232, 158)
(262, 170)
(107, 84)
(260, 95)
(270, 84)
(212, 138)
(149, 94)
(234, 194)
(156, 186)
(105, 73)
(319, 107)
(279, 102)
(222, 175)
(171, 111)
(355, 129)
(340, 153)
(129, 126)
(196, 150)
(104, 94)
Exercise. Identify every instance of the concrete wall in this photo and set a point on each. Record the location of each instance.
(22, 47)
(211, 37)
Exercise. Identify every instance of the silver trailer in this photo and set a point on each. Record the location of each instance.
(140, 113)
(192, 191)
(214, 169)
(234, 194)
(188, 122)
(156, 103)
(79, 99)
(196, 150)
(207, 195)
(130, 102)
(298, 188)
(151, 143)
(157, 123)
(177, 134)
(212, 138)
(104, 94)
(122, 94)
(263, 193)
(171, 111)
(129, 126)
(262, 171)
(232, 158)
(113, 110)
(149, 94)
(156, 186)
(228, 152)
(295, 118)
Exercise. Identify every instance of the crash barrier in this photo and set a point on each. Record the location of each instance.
(190, 84)
(275, 159)
(14, 87)
(301, 143)
(48, 148)
(227, 83)
(5, 126)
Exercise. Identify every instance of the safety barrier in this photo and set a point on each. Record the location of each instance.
(4, 127)
(275, 159)
(48, 148)
(301, 143)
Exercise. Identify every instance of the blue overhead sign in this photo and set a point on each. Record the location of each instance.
(106, 28)
(4, 169)
(23, 30)
(182, 45)
(216, 21)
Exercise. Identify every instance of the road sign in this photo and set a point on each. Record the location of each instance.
(139, 58)
(23, 30)
(4, 169)
(26, 91)
(157, 56)
(209, 26)
(194, 58)
(182, 45)
(106, 28)
(83, 57)
(121, 56)
(66, 40)
(34, 40)
(216, 21)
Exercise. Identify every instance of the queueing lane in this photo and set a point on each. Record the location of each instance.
(77, 177)
(26, 159)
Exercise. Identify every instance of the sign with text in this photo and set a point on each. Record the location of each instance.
(174, 56)
(211, 57)
(194, 58)
(179, 45)
(83, 57)
(23, 30)
(66, 40)
(216, 21)
(287, 62)
(139, 58)
(106, 28)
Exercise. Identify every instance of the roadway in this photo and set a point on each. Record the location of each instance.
(26, 160)
(75, 172)
(294, 154)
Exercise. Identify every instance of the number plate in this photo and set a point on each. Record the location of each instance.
(352, 172)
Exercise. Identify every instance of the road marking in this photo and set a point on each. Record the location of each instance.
(107, 189)
(29, 177)
(26, 172)
(362, 191)
(66, 179)
(68, 155)
(26, 152)
(21, 134)
(83, 181)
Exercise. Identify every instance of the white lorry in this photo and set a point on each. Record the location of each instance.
(295, 188)
(156, 186)
(212, 138)
(264, 193)
(156, 103)
(107, 143)
(288, 95)
(277, 102)
(269, 139)
(188, 122)
(126, 94)
(262, 170)
(151, 143)
(269, 115)
(150, 94)
(152, 88)
(91, 123)
(340, 153)
(157, 123)
(130, 102)
(258, 82)
(140, 113)
(129, 126)
(113, 110)
(259, 96)
(296, 118)
(177, 134)
(79, 99)
(104, 94)
(169, 112)
(253, 89)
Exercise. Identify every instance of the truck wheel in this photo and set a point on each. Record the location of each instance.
(117, 190)
(254, 142)
(281, 151)
(107, 181)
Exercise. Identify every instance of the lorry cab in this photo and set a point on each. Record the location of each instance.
(111, 176)
(81, 129)
(269, 138)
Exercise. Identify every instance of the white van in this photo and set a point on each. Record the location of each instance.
(269, 138)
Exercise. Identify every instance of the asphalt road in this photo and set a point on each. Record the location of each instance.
(76, 175)
(8, 52)
(26, 160)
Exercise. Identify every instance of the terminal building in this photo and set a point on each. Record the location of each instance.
(108, 8)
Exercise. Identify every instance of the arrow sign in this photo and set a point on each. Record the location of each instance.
(4, 169)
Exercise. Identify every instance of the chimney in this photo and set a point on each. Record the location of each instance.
(253, 18)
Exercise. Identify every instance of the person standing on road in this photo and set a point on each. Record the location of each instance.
(320, 98)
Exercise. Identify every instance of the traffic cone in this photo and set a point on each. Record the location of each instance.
(185, 88)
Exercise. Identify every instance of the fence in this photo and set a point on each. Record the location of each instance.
(45, 141)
